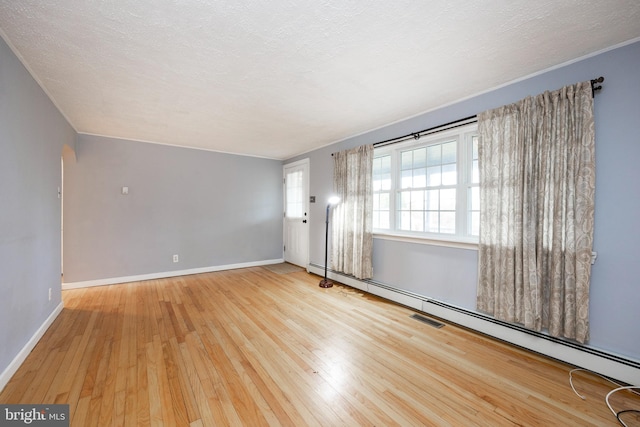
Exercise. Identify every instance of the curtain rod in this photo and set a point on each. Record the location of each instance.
(417, 135)
(595, 86)
(457, 123)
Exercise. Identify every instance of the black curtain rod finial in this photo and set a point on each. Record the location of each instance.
(595, 86)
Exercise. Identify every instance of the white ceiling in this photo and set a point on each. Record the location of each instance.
(282, 77)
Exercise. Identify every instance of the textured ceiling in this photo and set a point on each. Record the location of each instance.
(279, 78)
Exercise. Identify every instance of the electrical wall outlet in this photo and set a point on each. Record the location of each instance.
(175, 258)
(49, 294)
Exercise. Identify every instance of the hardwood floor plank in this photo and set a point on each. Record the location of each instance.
(81, 411)
(252, 347)
(171, 362)
(114, 332)
(42, 380)
(156, 415)
(211, 414)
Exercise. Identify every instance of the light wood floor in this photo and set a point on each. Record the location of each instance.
(250, 347)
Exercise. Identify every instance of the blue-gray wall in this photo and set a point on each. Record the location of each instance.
(450, 274)
(32, 136)
(211, 209)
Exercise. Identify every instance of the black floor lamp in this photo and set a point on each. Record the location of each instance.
(326, 283)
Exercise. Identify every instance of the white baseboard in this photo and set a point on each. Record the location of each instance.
(604, 363)
(152, 276)
(22, 355)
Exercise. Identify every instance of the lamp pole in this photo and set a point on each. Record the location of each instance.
(326, 283)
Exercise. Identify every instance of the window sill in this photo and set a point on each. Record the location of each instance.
(433, 241)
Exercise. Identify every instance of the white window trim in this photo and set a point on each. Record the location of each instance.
(427, 240)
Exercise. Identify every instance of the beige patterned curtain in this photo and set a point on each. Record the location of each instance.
(352, 223)
(537, 184)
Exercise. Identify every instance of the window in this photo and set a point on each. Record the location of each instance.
(381, 192)
(473, 214)
(429, 187)
(294, 194)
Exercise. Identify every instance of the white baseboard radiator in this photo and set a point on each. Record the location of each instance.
(583, 356)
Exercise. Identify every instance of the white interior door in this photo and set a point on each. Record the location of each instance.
(296, 208)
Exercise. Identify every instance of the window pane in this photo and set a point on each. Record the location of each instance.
(405, 200)
(433, 200)
(384, 201)
(294, 191)
(432, 222)
(407, 179)
(417, 200)
(475, 172)
(381, 186)
(449, 152)
(417, 221)
(449, 176)
(448, 199)
(386, 164)
(475, 223)
(434, 176)
(405, 220)
(419, 178)
(377, 184)
(475, 199)
(434, 155)
(420, 158)
(407, 160)
(383, 220)
(448, 222)
(474, 147)
(386, 182)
